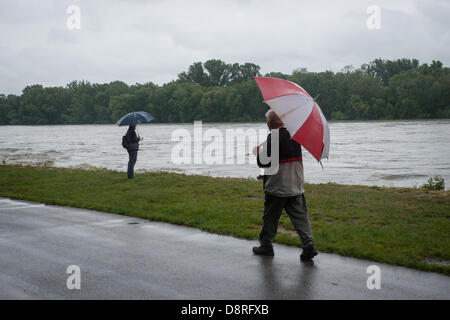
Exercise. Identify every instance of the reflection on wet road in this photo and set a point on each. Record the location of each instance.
(128, 258)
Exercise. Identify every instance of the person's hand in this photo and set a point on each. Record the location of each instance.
(141, 138)
(256, 150)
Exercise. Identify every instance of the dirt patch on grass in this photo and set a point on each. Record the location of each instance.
(438, 261)
(255, 197)
(282, 229)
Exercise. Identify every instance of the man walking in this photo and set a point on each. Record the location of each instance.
(284, 190)
(132, 148)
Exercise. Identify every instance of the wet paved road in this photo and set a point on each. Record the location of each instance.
(128, 258)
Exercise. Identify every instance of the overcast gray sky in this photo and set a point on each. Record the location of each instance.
(154, 40)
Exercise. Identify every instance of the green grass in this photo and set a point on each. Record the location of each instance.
(404, 227)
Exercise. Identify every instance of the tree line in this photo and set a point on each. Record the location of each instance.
(216, 91)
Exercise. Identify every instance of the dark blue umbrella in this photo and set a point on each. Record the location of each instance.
(135, 118)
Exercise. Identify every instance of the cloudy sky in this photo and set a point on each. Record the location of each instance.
(154, 40)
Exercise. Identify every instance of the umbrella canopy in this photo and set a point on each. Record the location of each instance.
(135, 118)
(299, 112)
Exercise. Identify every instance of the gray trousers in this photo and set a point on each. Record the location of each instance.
(131, 162)
(297, 211)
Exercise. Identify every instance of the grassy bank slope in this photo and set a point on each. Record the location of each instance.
(407, 227)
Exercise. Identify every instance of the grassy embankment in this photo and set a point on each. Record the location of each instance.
(408, 227)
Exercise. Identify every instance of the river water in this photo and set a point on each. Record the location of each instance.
(383, 153)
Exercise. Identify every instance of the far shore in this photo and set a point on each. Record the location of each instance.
(221, 122)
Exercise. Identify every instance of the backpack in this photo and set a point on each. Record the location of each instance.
(125, 141)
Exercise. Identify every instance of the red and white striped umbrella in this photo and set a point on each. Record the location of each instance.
(299, 112)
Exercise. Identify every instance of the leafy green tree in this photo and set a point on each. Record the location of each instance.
(3, 110)
(279, 75)
(218, 72)
(385, 69)
(121, 105)
(195, 74)
(217, 91)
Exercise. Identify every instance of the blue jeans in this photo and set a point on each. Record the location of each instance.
(131, 162)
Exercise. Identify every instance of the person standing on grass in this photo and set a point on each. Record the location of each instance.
(284, 190)
(132, 148)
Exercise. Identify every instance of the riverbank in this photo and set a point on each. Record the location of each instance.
(401, 226)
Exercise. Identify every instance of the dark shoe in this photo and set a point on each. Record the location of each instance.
(308, 253)
(263, 251)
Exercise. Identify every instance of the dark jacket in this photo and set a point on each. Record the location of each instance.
(289, 180)
(133, 140)
(289, 151)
